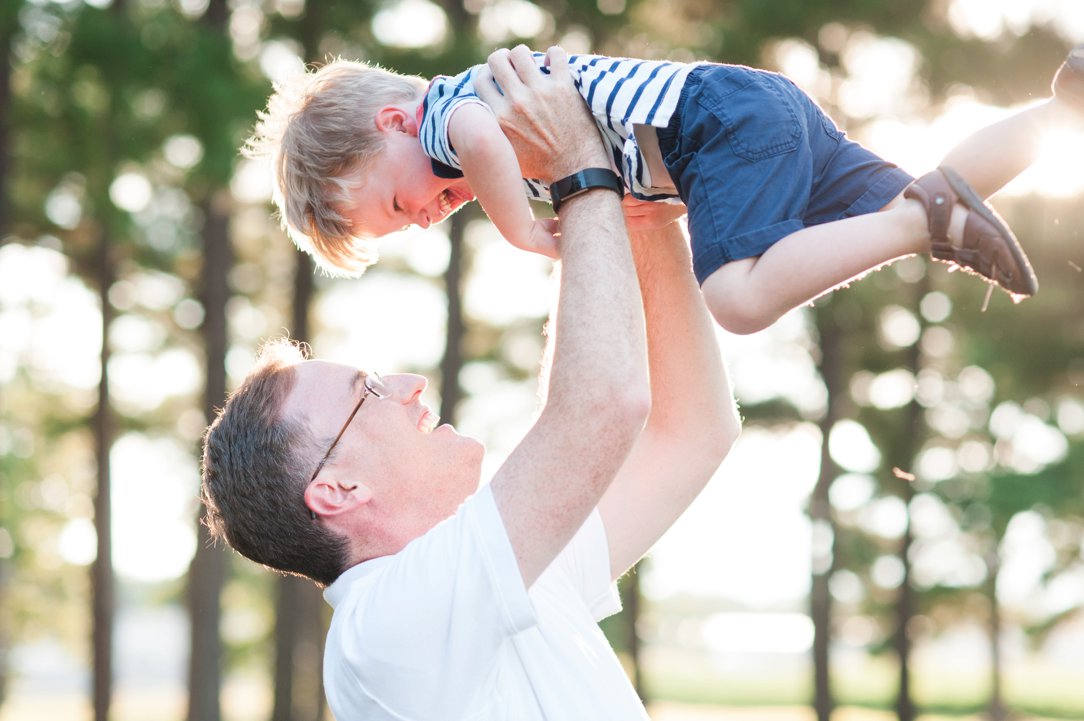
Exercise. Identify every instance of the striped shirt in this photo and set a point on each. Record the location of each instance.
(621, 93)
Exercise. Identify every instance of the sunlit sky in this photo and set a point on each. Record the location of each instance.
(747, 538)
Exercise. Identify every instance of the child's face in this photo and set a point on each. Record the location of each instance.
(398, 189)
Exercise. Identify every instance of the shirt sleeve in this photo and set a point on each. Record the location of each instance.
(444, 97)
(585, 564)
(438, 613)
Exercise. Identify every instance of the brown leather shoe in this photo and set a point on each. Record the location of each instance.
(988, 247)
(1068, 84)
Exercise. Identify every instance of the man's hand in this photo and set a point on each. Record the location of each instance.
(644, 215)
(544, 116)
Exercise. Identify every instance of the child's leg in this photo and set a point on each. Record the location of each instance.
(1018, 136)
(749, 295)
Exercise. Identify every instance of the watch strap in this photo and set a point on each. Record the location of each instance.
(581, 182)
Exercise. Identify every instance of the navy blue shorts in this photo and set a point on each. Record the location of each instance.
(755, 159)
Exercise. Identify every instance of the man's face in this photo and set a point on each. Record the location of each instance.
(398, 189)
(419, 472)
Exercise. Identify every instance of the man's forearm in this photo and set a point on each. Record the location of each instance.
(597, 397)
(692, 423)
(689, 385)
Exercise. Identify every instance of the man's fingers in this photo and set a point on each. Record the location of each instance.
(523, 61)
(486, 87)
(557, 61)
(500, 67)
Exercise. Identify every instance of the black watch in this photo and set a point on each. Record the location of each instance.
(581, 182)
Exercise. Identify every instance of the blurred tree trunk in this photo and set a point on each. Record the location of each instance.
(103, 601)
(631, 601)
(8, 25)
(102, 581)
(997, 710)
(820, 510)
(905, 611)
(452, 361)
(299, 632)
(299, 626)
(207, 574)
(299, 647)
(911, 441)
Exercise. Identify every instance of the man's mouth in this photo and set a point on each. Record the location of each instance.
(428, 421)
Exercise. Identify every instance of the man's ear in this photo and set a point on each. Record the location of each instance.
(392, 118)
(331, 497)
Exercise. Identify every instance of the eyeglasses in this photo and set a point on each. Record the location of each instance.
(372, 384)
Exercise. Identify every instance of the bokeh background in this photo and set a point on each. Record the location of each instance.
(897, 535)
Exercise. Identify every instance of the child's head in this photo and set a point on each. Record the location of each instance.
(319, 133)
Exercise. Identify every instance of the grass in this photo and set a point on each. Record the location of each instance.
(1031, 689)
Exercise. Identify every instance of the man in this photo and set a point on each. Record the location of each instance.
(454, 602)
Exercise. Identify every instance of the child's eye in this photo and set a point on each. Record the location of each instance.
(395, 205)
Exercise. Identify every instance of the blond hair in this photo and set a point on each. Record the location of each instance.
(318, 131)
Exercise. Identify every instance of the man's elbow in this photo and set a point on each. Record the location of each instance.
(631, 406)
(719, 435)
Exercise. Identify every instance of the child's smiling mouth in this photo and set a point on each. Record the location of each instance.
(449, 201)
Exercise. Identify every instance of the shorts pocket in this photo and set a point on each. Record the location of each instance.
(759, 118)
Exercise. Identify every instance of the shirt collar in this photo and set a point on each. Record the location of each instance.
(337, 591)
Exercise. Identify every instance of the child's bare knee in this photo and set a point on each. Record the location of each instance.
(735, 308)
(741, 319)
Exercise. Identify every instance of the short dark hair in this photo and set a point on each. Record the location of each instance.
(255, 467)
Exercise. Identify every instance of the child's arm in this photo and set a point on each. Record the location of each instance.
(491, 168)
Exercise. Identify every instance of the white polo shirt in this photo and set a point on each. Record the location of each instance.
(445, 630)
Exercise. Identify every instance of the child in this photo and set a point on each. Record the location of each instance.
(781, 204)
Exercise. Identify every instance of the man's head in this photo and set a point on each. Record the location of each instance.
(387, 478)
(319, 132)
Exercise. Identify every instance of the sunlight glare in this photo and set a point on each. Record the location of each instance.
(410, 24)
(991, 19)
(937, 463)
(752, 516)
(78, 542)
(775, 363)
(138, 379)
(154, 504)
(739, 632)
(280, 59)
(398, 323)
(851, 447)
(504, 20)
(885, 517)
(946, 562)
(887, 572)
(252, 181)
(506, 285)
(1056, 173)
(880, 73)
(851, 491)
(64, 205)
(183, 151)
(1026, 556)
(898, 327)
(1070, 415)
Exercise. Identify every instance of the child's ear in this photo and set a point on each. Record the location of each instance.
(392, 118)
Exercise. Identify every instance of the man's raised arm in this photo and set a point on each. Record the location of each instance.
(693, 421)
(598, 397)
